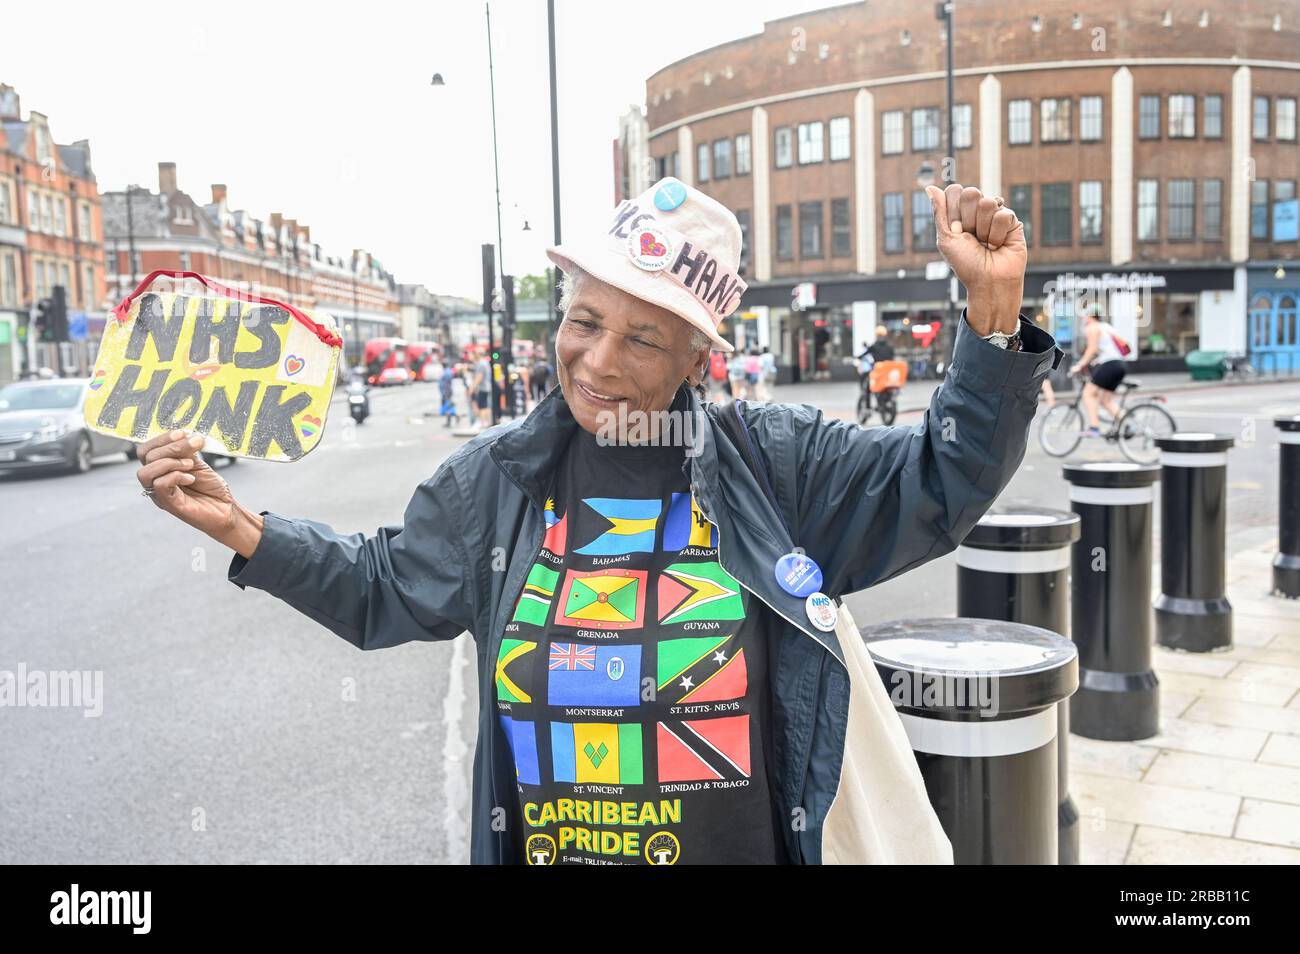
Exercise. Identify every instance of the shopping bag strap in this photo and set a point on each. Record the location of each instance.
(320, 331)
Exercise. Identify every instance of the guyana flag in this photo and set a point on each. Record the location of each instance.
(698, 591)
(511, 650)
(605, 752)
(535, 600)
(701, 669)
(602, 599)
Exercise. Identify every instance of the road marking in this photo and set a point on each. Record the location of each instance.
(455, 794)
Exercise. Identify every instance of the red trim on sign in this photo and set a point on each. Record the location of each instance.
(316, 328)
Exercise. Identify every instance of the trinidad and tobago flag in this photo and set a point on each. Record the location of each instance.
(700, 750)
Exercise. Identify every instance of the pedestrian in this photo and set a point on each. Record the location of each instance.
(736, 375)
(720, 380)
(767, 376)
(481, 389)
(592, 553)
(1103, 354)
(451, 416)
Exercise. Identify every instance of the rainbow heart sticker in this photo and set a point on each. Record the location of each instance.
(293, 364)
(97, 381)
(309, 425)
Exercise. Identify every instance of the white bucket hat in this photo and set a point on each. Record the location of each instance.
(672, 246)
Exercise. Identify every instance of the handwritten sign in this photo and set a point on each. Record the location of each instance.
(252, 375)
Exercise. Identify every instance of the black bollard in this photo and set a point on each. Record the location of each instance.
(1192, 611)
(978, 701)
(1014, 565)
(1110, 618)
(1286, 565)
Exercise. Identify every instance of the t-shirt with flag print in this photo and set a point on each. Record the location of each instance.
(631, 682)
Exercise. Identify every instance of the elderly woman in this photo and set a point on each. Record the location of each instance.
(648, 577)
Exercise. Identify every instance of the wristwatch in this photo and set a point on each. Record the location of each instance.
(1000, 339)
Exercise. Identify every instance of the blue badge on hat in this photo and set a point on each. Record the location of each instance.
(669, 196)
(798, 574)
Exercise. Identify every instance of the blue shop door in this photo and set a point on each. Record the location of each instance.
(1274, 332)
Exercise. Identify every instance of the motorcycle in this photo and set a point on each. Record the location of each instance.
(883, 379)
(359, 401)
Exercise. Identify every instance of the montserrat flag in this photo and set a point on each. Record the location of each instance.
(251, 372)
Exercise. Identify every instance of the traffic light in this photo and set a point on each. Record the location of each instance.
(59, 314)
(489, 276)
(41, 322)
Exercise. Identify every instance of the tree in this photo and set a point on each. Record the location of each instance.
(534, 287)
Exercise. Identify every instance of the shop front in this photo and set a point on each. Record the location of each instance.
(1273, 318)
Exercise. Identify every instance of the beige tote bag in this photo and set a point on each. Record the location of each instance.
(881, 814)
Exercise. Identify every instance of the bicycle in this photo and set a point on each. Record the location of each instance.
(1135, 429)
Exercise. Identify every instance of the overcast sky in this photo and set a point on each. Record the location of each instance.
(324, 112)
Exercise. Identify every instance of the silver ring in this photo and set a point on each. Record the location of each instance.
(148, 491)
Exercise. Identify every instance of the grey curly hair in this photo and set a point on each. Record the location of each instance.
(569, 287)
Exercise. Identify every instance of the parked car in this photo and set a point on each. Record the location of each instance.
(42, 427)
(395, 375)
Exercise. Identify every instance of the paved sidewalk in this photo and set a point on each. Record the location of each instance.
(1220, 784)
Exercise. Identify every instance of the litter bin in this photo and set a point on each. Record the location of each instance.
(978, 700)
(1207, 365)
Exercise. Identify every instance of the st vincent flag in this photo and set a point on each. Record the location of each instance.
(523, 743)
(590, 675)
(535, 600)
(698, 591)
(701, 669)
(628, 526)
(686, 525)
(507, 689)
(604, 752)
(556, 529)
(602, 599)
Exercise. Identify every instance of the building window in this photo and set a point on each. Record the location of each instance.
(702, 162)
(6, 204)
(1090, 114)
(83, 222)
(891, 132)
(810, 230)
(923, 237)
(1182, 117)
(1148, 210)
(784, 233)
(1213, 122)
(60, 216)
(1212, 201)
(1149, 117)
(1089, 213)
(1285, 111)
(33, 210)
(784, 152)
(88, 287)
(675, 164)
(185, 261)
(1259, 209)
(961, 126)
(1182, 210)
(1055, 125)
(742, 216)
(841, 233)
(1260, 124)
(721, 158)
(742, 154)
(810, 143)
(1022, 201)
(840, 135)
(925, 129)
(1020, 124)
(8, 279)
(1056, 213)
(47, 214)
(893, 206)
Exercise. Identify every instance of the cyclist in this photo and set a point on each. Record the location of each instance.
(1104, 354)
(879, 350)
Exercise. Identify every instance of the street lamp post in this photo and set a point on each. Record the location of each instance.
(943, 11)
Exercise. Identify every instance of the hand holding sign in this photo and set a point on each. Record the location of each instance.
(187, 488)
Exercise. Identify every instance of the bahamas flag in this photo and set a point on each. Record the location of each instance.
(587, 675)
(628, 526)
(535, 600)
(597, 752)
(686, 526)
(698, 591)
